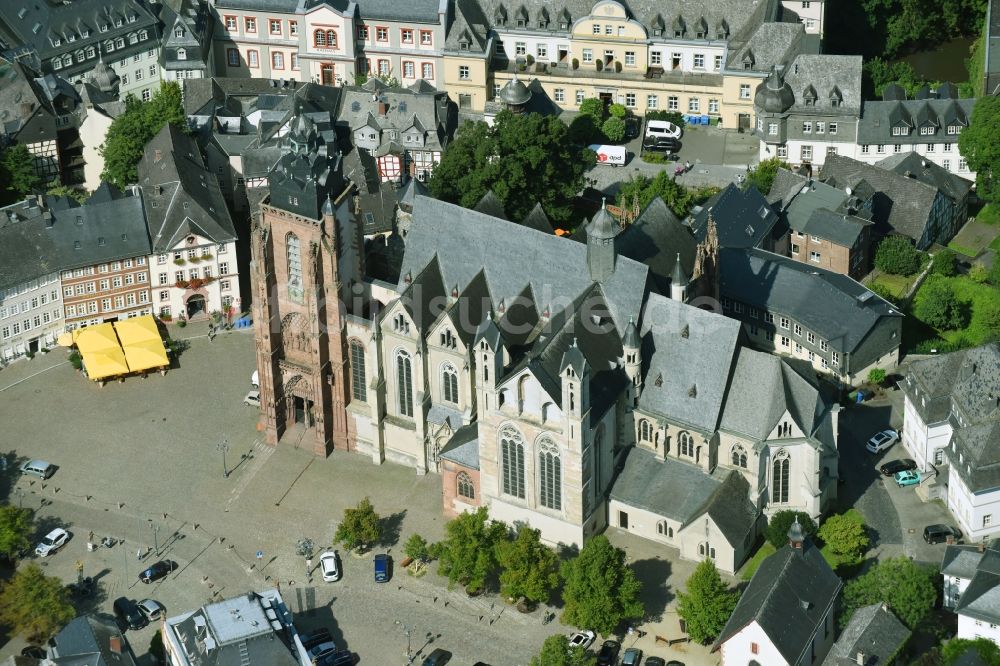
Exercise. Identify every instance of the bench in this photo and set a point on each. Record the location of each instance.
(660, 640)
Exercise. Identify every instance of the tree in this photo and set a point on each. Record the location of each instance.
(987, 650)
(907, 587)
(990, 318)
(675, 195)
(17, 174)
(778, 526)
(707, 604)
(937, 306)
(556, 652)
(361, 526)
(762, 176)
(16, 526)
(618, 111)
(980, 146)
(528, 568)
(845, 534)
(75, 193)
(35, 605)
(468, 554)
(945, 263)
(130, 132)
(614, 129)
(594, 107)
(524, 159)
(978, 273)
(600, 590)
(896, 255)
(876, 376)
(416, 547)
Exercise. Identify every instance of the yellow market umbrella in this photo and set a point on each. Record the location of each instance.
(146, 355)
(103, 364)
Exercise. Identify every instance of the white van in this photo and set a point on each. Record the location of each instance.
(613, 155)
(255, 379)
(661, 129)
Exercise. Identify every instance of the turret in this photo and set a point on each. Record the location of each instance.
(630, 346)
(678, 281)
(575, 375)
(488, 363)
(601, 233)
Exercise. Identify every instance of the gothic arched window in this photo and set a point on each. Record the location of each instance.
(465, 487)
(685, 444)
(358, 388)
(449, 383)
(512, 462)
(549, 476)
(644, 431)
(779, 478)
(739, 456)
(294, 256)
(404, 383)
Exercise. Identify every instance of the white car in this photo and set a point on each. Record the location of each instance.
(661, 129)
(581, 639)
(881, 441)
(153, 610)
(252, 398)
(52, 542)
(255, 379)
(329, 566)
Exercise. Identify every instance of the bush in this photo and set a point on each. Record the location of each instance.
(594, 107)
(614, 129)
(876, 376)
(618, 110)
(778, 526)
(576, 63)
(845, 534)
(937, 306)
(884, 292)
(675, 117)
(599, 65)
(945, 263)
(978, 273)
(76, 360)
(618, 66)
(896, 255)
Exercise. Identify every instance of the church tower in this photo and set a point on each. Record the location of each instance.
(601, 253)
(306, 246)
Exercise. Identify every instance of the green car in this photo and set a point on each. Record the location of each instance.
(907, 478)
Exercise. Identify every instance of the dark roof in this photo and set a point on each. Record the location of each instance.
(826, 74)
(981, 599)
(814, 211)
(378, 199)
(732, 511)
(879, 117)
(788, 596)
(668, 487)
(742, 218)
(86, 641)
(782, 285)
(656, 238)
(954, 186)
(688, 354)
(469, 26)
(182, 196)
(785, 186)
(26, 115)
(960, 561)
(463, 447)
(413, 11)
(872, 630)
(538, 220)
(490, 205)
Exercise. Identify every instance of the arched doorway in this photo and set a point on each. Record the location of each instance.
(195, 306)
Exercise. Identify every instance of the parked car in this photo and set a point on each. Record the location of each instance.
(33, 651)
(881, 441)
(662, 145)
(153, 610)
(608, 656)
(907, 478)
(655, 661)
(252, 398)
(157, 571)
(329, 566)
(313, 638)
(632, 657)
(383, 567)
(322, 650)
(52, 542)
(893, 466)
(128, 615)
(663, 129)
(255, 379)
(38, 468)
(437, 658)
(940, 533)
(582, 639)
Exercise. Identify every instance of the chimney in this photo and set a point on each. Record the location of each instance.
(26, 109)
(861, 658)
(115, 644)
(157, 155)
(981, 546)
(383, 108)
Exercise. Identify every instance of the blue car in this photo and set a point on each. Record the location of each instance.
(907, 478)
(382, 567)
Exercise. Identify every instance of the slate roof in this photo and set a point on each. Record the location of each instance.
(686, 350)
(907, 204)
(468, 25)
(787, 597)
(785, 186)
(742, 218)
(873, 630)
(826, 73)
(954, 186)
(182, 196)
(878, 118)
(671, 488)
(814, 212)
(286, 6)
(463, 447)
(960, 561)
(975, 418)
(25, 113)
(412, 11)
(378, 199)
(490, 205)
(771, 44)
(763, 388)
(467, 242)
(423, 107)
(732, 511)
(782, 285)
(86, 641)
(981, 599)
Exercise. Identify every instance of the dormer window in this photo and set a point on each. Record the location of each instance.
(56, 41)
(182, 54)
(520, 22)
(178, 32)
(657, 32)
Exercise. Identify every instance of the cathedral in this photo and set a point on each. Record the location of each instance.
(566, 383)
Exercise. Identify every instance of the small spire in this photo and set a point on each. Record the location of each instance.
(795, 535)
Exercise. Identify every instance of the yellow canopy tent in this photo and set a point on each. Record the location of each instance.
(142, 344)
(102, 355)
(104, 364)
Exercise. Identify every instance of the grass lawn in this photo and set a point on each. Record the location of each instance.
(978, 297)
(751, 565)
(898, 285)
(976, 235)
(990, 214)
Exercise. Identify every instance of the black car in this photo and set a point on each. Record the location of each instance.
(128, 615)
(437, 658)
(315, 637)
(608, 656)
(940, 533)
(159, 570)
(34, 651)
(893, 466)
(661, 144)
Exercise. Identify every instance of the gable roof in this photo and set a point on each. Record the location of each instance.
(981, 599)
(782, 285)
(469, 25)
(785, 186)
(656, 237)
(826, 73)
(818, 211)
(668, 487)
(954, 186)
(788, 596)
(874, 631)
(686, 351)
(878, 117)
(86, 641)
(742, 218)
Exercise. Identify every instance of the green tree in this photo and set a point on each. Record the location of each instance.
(762, 176)
(978, 273)
(528, 568)
(556, 652)
(778, 526)
(875, 376)
(17, 174)
(987, 650)
(417, 548)
(361, 527)
(524, 159)
(707, 604)
(16, 526)
(75, 193)
(35, 605)
(130, 132)
(614, 129)
(594, 107)
(617, 110)
(600, 590)
(979, 144)
(907, 587)
(945, 263)
(937, 306)
(468, 553)
(845, 534)
(675, 195)
(896, 255)
(990, 318)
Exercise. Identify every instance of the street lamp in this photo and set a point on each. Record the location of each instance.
(156, 543)
(224, 447)
(406, 630)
